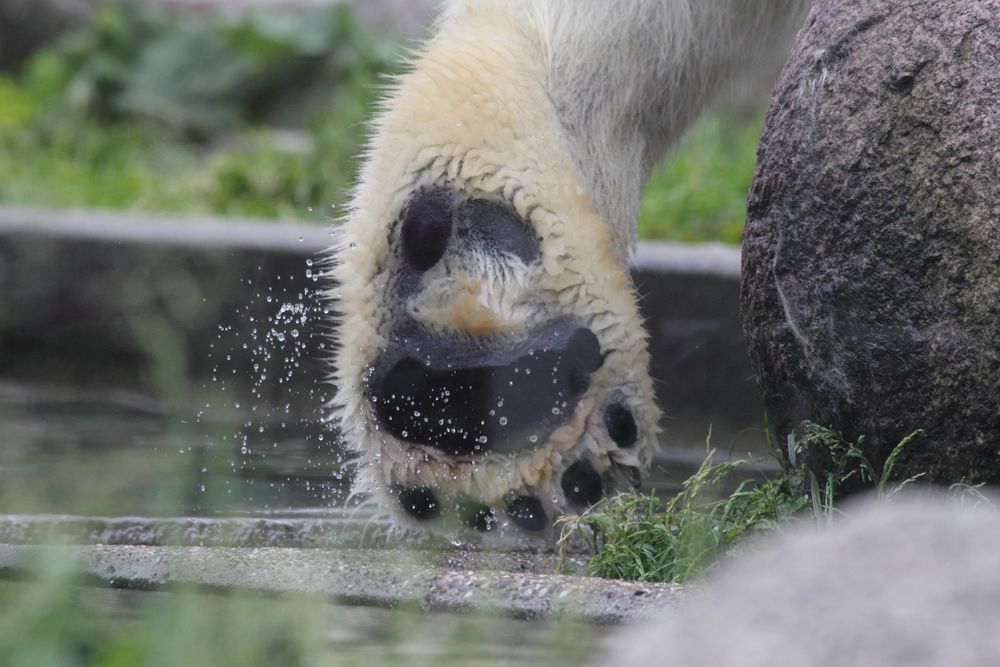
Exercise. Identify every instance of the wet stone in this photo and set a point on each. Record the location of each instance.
(621, 425)
(581, 484)
(528, 513)
(420, 502)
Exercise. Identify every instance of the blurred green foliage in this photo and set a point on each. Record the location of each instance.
(51, 618)
(699, 191)
(52, 621)
(256, 115)
(262, 114)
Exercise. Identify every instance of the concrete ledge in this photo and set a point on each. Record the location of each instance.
(706, 259)
(355, 529)
(371, 577)
(190, 232)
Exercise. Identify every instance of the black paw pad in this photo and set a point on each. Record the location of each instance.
(488, 227)
(427, 227)
(621, 425)
(420, 502)
(479, 516)
(527, 512)
(470, 400)
(584, 351)
(581, 484)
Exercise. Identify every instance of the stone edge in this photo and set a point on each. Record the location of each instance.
(352, 576)
(198, 232)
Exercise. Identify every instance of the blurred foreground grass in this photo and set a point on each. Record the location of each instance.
(59, 621)
(263, 115)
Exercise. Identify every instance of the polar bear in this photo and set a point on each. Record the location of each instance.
(491, 364)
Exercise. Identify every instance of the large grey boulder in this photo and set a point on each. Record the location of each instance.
(912, 584)
(871, 295)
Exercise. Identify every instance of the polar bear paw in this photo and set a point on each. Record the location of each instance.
(491, 362)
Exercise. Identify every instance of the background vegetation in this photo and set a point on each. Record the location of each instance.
(263, 115)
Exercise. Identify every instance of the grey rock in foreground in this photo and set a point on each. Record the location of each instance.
(871, 295)
(910, 584)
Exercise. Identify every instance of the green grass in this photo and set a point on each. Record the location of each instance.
(56, 620)
(643, 538)
(699, 191)
(146, 112)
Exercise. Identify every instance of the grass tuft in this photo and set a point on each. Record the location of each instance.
(641, 537)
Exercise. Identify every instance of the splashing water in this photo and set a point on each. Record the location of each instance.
(268, 369)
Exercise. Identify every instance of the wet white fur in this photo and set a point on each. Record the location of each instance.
(627, 77)
(559, 108)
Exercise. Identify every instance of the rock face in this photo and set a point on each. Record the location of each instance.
(912, 584)
(871, 295)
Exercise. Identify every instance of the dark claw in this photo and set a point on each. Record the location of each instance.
(527, 512)
(582, 485)
(479, 516)
(420, 502)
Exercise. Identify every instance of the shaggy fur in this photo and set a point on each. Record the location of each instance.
(558, 109)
